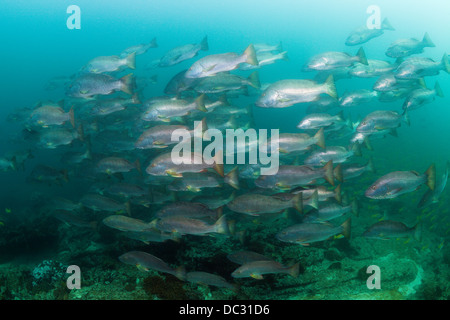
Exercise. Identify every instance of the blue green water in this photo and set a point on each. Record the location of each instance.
(36, 46)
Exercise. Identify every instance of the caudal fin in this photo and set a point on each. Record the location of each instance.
(71, 117)
(338, 175)
(127, 83)
(426, 41)
(445, 63)
(328, 172)
(250, 56)
(131, 60)
(221, 226)
(438, 90)
(386, 25)
(295, 270)
(200, 103)
(253, 80)
(319, 137)
(346, 228)
(431, 177)
(362, 56)
(232, 178)
(204, 44)
(331, 87)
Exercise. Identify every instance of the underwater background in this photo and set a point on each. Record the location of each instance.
(36, 248)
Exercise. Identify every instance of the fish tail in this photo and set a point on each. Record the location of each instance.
(337, 172)
(232, 178)
(71, 117)
(438, 90)
(386, 25)
(297, 202)
(417, 232)
(356, 148)
(180, 273)
(295, 270)
(200, 103)
(362, 56)
(14, 163)
(253, 80)
(127, 83)
(250, 56)
(328, 172)
(221, 226)
(131, 60)
(319, 137)
(204, 44)
(80, 131)
(138, 166)
(445, 63)
(279, 47)
(314, 200)
(128, 208)
(283, 56)
(331, 87)
(153, 43)
(346, 228)
(218, 163)
(426, 41)
(431, 177)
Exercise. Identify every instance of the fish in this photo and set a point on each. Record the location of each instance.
(223, 82)
(8, 164)
(290, 176)
(406, 47)
(363, 34)
(74, 219)
(296, 142)
(389, 229)
(285, 93)
(184, 225)
(196, 182)
(245, 256)
(382, 120)
(374, 68)
(264, 47)
(330, 211)
(337, 154)
(182, 53)
(389, 82)
(357, 97)
(112, 165)
(160, 136)
(124, 223)
(432, 196)
(214, 201)
(187, 210)
(98, 202)
(307, 233)
(126, 190)
(215, 63)
(110, 63)
(146, 261)
(419, 67)
(397, 183)
(150, 235)
(49, 115)
(55, 137)
(333, 60)
(265, 58)
(163, 165)
(256, 269)
(45, 174)
(139, 48)
(209, 279)
(419, 97)
(108, 106)
(258, 204)
(351, 171)
(89, 85)
(179, 83)
(165, 110)
(318, 120)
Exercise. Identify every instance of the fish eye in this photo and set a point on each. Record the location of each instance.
(372, 187)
